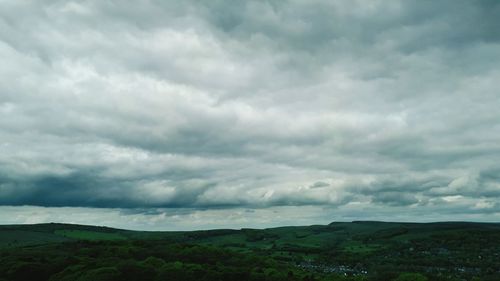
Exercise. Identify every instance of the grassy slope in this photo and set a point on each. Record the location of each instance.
(353, 237)
(36, 234)
(453, 249)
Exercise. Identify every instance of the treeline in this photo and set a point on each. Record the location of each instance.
(444, 255)
(140, 260)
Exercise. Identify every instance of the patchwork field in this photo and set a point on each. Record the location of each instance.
(338, 251)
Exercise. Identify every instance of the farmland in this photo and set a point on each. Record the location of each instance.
(362, 250)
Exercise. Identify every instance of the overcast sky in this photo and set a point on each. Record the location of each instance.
(205, 114)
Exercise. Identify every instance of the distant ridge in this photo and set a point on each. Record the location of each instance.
(56, 225)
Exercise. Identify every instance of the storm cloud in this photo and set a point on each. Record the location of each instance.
(252, 105)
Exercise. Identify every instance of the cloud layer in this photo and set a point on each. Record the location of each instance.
(210, 105)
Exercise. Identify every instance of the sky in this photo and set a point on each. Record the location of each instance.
(181, 115)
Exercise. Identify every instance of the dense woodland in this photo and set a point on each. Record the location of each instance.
(339, 251)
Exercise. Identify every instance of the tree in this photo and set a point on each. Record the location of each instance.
(411, 277)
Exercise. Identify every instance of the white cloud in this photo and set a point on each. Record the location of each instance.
(190, 105)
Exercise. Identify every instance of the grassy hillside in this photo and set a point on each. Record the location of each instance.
(363, 250)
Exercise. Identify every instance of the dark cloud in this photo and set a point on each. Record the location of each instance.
(395, 198)
(251, 105)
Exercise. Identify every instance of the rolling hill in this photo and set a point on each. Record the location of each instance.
(360, 250)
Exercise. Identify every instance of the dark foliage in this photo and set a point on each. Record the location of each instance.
(367, 251)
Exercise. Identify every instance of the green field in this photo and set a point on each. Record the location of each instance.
(88, 235)
(338, 251)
